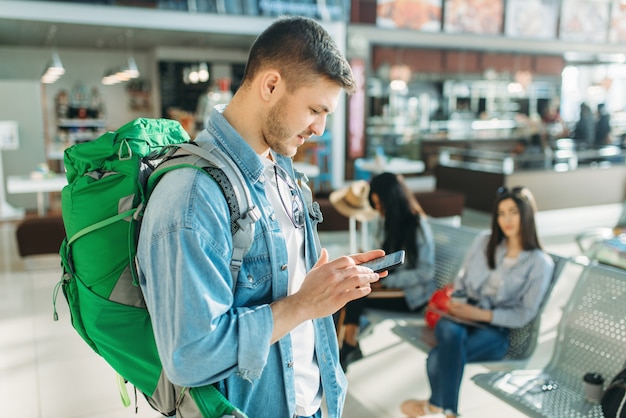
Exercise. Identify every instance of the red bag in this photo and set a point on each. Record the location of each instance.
(439, 300)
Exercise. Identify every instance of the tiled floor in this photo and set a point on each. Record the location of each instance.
(46, 371)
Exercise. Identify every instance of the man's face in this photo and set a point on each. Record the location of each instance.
(297, 115)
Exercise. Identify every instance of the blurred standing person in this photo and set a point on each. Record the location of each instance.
(603, 127)
(584, 132)
(553, 123)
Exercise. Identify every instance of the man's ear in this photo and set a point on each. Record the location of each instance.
(270, 80)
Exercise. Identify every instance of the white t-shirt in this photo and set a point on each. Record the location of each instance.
(306, 371)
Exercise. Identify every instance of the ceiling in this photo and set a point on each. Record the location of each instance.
(25, 23)
(70, 25)
(20, 33)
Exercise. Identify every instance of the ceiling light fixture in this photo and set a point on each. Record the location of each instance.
(195, 74)
(203, 72)
(131, 70)
(109, 78)
(127, 71)
(121, 74)
(54, 69)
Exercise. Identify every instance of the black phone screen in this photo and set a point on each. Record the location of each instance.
(385, 262)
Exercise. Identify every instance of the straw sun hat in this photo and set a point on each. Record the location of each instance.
(353, 200)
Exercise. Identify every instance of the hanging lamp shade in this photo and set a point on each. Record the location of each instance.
(109, 78)
(131, 71)
(54, 70)
(203, 72)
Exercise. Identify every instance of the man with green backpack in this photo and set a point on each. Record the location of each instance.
(264, 335)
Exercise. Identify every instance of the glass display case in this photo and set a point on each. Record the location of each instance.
(412, 120)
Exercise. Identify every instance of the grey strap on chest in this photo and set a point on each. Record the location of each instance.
(230, 180)
(313, 207)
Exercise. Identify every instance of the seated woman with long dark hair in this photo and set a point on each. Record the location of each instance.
(505, 277)
(404, 226)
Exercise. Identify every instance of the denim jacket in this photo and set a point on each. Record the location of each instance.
(523, 288)
(208, 329)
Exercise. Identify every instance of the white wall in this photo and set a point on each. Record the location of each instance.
(20, 100)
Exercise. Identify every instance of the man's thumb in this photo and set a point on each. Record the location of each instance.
(323, 258)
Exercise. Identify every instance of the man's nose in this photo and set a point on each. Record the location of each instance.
(318, 126)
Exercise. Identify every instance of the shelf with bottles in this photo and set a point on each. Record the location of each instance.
(81, 123)
(79, 118)
(74, 131)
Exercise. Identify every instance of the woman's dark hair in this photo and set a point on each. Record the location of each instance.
(302, 51)
(525, 203)
(401, 215)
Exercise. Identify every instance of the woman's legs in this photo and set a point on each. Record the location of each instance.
(355, 308)
(445, 364)
(350, 350)
(458, 345)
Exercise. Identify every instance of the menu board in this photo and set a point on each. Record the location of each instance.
(474, 16)
(422, 15)
(584, 20)
(617, 31)
(531, 18)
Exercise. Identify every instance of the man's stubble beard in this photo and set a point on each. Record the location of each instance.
(277, 135)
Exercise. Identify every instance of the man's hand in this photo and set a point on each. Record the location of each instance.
(325, 290)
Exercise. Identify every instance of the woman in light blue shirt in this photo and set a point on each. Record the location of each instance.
(404, 227)
(505, 277)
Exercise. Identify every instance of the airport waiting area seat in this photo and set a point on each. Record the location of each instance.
(451, 245)
(591, 338)
(523, 341)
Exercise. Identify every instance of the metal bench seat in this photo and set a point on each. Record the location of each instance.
(451, 245)
(591, 338)
(523, 341)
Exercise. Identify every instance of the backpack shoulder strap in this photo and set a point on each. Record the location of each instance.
(244, 213)
(313, 207)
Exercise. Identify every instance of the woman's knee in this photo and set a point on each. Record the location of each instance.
(488, 345)
(449, 331)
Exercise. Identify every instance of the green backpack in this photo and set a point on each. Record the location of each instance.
(109, 182)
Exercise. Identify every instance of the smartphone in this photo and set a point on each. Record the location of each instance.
(386, 262)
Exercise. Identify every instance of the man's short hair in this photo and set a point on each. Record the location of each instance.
(301, 50)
